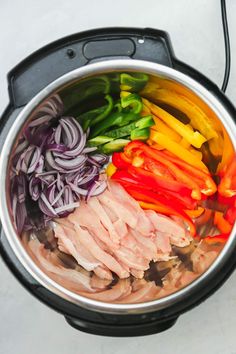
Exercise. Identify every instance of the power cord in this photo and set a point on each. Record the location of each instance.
(227, 46)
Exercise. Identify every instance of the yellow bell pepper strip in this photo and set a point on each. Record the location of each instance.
(227, 186)
(154, 145)
(196, 153)
(111, 169)
(228, 152)
(185, 143)
(177, 150)
(222, 224)
(199, 120)
(195, 213)
(194, 138)
(161, 127)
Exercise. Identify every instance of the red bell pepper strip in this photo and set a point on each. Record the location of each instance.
(120, 160)
(134, 177)
(230, 215)
(204, 180)
(137, 147)
(222, 238)
(227, 186)
(172, 208)
(155, 167)
(163, 185)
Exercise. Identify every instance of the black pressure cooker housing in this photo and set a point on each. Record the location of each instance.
(31, 76)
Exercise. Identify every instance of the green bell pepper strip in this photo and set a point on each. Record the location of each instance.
(115, 119)
(126, 130)
(85, 89)
(99, 140)
(133, 82)
(112, 146)
(94, 116)
(132, 100)
(140, 134)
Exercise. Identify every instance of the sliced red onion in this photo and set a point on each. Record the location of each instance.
(78, 190)
(52, 166)
(74, 134)
(58, 196)
(101, 158)
(35, 160)
(79, 147)
(57, 135)
(46, 207)
(40, 165)
(96, 189)
(34, 188)
(71, 164)
(56, 147)
(67, 207)
(22, 146)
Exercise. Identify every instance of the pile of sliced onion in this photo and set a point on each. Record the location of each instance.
(52, 166)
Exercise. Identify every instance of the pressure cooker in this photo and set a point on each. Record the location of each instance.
(61, 65)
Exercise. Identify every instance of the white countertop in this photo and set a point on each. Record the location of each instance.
(196, 33)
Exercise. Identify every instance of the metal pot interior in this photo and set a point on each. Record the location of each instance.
(186, 266)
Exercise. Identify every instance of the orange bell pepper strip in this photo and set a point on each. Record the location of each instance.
(222, 238)
(222, 224)
(227, 186)
(195, 213)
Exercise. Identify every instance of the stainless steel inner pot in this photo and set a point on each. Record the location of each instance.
(122, 65)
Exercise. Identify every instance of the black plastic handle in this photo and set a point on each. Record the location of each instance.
(121, 330)
(69, 53)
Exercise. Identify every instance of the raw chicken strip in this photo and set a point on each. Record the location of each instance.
(147, 292)
(94, 204)
(113, 217)
(202, 260)
(144, 225)
(66, 276)
(98, 283)
(146, 243)
(86, 217)
(121, 288)
(131, 259)
(120, 227)
(163, 223)
(103, 272)
(163, 242)
(87, 241)
(118, 208)
(123, 197)
(67, 237)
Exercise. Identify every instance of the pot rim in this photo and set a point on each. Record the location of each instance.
(104, 67)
